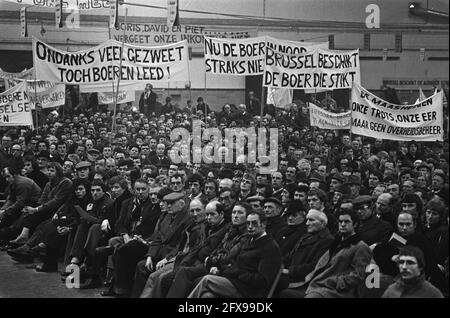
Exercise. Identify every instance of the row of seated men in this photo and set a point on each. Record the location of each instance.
(158, 242)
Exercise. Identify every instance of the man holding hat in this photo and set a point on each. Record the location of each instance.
(371, 228)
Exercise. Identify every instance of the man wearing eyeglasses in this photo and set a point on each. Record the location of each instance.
(411, 283)
(371, 229)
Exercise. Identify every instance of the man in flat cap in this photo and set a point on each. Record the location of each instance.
(165, 239)
(371, 229)
(83, 169)
(275, 222)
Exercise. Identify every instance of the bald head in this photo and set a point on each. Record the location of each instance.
(383, 203)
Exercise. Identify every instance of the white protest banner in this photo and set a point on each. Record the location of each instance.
(124, 96)
(293, 47)
(159, 34)
(12, 79)
(67, 4)
(279, 97)
(319, 68)
(14, 107)
(101, 64)
(327, 120)
(374, 117)
(247, 56)
(107, 87)
(235, 56)
(47, 94)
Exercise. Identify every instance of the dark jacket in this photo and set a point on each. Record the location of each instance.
(22, 192)
(340, 271)
(374, 230)
(438, 235)
(98, 210)
(276, 227)
(222, 254)
(55, 194)
(155, 160)
(138, 218)
(255, 267)
(289, 236)
(419, 288)
(114, 212)
(214, 236)
(193, 236)
(40, 178)
(307, 252)
(167, 235)
(383, 253)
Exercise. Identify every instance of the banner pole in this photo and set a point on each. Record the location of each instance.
(120, 67)
(113, 92)
(35, 99)
(261, 112)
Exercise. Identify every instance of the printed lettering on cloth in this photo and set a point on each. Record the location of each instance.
(124, 96)
(319, 68)
(327, 120)
(15, 108)
(160, 34)
(374, 117)
(247, 56)
(101, 64)
(48, 94)
(67, 4)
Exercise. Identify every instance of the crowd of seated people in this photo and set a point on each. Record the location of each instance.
(139, 223)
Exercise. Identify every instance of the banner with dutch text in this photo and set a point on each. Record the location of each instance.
(316, 69)
(327, 120)
(15, 108)
(124, 96)
(47, 94)
(377, 118)
(107, 63)
(247, 56)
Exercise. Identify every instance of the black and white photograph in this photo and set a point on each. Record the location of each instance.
(255, 152)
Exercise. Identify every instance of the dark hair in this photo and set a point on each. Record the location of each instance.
(84, 182)
(58, 168)
(414, 198)
(12, 170)
(437, 204)
(352, 214)
(196, 178)
(322, 195)
(413, 251)
(262, 216)
(99, 183)
(120, 180)
(245, 205)
(32, 159)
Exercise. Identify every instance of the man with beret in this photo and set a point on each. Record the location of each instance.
(276, 224)
(371, 228)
